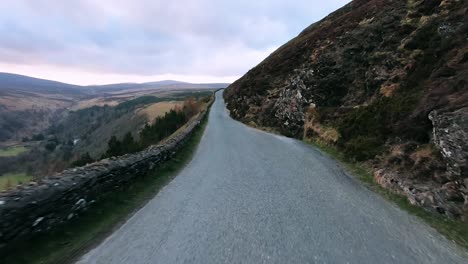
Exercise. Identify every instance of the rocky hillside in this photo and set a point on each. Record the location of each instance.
(386, 82)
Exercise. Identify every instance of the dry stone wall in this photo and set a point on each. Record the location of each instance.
(42, 206)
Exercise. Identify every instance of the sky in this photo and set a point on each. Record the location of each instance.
(111, 41)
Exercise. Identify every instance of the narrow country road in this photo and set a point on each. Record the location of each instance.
(252, 197)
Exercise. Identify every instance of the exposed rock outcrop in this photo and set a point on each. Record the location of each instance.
(385, 82)
(448, 199)
(450, 135)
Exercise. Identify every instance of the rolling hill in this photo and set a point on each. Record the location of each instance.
(16, 82)
(29, 105)
(385, 83)
(20, 83)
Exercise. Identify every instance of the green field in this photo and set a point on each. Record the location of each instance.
(12, 151)
(12, 179)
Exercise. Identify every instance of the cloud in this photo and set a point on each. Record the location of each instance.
(151, 38)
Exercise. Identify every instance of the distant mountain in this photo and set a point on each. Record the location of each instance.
(166, 84)
(9, 81)
(16, 82)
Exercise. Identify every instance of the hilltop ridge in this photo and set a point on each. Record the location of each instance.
(17, 82)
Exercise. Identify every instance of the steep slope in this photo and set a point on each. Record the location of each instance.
(384, 81)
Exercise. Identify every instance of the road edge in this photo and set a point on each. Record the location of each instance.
(453, 230)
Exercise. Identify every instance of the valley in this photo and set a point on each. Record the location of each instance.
(346, 143)
(46, 128)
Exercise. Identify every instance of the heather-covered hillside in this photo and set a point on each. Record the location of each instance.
(386, 82)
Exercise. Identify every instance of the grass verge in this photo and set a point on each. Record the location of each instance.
(454, 230)
(12, 179)
(70, 241)
(12, 151)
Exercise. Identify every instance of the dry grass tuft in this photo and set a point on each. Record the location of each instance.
(423, 154)
(313, 128)
(389, 89)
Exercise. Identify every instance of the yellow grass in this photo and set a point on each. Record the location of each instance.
(328, 134)
(388, 90)
(94, 102)
(422, 154)
(159, 109)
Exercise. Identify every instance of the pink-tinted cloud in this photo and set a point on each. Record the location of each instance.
(214, 39)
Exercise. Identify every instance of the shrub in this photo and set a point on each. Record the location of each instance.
(191, 107)
(83, 160)
(364, 130)
(163, 127)
(37, 137)
(50, 146)
(114, 147)
(363, 148)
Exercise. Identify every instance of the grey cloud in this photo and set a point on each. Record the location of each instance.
(220, 38)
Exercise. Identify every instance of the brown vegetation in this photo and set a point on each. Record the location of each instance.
(388, 81)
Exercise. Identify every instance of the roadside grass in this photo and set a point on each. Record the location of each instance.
(12, 151)
(68, 242)
(454, 230)
(12, 179)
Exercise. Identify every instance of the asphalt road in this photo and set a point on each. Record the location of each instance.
(252, 197)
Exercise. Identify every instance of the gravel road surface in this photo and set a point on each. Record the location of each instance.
(252, 197)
